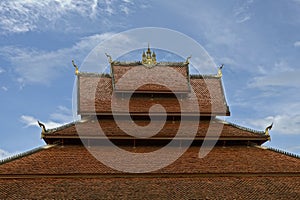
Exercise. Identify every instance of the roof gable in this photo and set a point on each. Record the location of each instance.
(160, 78)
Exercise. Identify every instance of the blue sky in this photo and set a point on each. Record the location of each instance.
(258, 41)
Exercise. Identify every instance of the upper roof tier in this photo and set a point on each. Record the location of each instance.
(144, 84)
(96, 96)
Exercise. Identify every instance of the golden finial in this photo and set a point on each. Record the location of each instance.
(148, 52)
(220, 71)
(76, 67)
(187, 61)
(267, 130)
(149, 58)
(109, 58)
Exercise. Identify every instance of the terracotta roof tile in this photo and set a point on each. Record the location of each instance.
(96, 95)
(221, 160)
(170, 128)
(71, 172)
(155, 74)
(266, 187)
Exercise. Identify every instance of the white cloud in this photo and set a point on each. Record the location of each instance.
(297, 44)
(34, 66)
(294, 149)
(242, 12)
(125, 9)
(287, 79)
(62, 116)
(1, 70)
(283, 123)
(5, 154)
(127, 1)
(286, 117)
(28, 120)
(4, 88)
(227, 61)
(30, 15)
(282, 74)
(245, 18)
(32, 121)
(211, 24)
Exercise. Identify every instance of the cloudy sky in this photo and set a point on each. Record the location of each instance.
(258, 41)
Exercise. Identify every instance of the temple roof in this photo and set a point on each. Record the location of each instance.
(64, 171)
(208, 93)
(146, 83)
(237, 167)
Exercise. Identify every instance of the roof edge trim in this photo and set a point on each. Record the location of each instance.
(134, 63)
(243, 128)
(95, 74)
(283, 152)
(62, 127)
(23, 154)
(203, 76)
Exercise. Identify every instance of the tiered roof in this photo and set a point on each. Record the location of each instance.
(236, 168)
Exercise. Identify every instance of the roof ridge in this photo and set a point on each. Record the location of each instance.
(67, 125)
(243, 128)
(105, 75)
(201, 76)
(23, 154)
(63, 126)
(133, 63)
(284, 152)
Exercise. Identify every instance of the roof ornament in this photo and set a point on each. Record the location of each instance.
(44, 130)
(187, 61)
(267, 130)
(109, 58)
(220, 71)
(149, 58)
(76, 67)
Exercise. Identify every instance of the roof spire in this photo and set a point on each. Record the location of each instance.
(76, 67)
(220, 71)
(149, 58)
(44, 130)
(109, 58)
(267, 130)
(187, 61)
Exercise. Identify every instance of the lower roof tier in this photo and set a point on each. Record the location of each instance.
(266, 187)
(214, 129)
(68, 172)
(57, 160)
